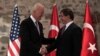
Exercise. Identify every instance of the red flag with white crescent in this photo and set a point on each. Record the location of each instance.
(54, 26)
(89, 45)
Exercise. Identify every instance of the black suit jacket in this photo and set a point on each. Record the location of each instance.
(68, 43)
(31, 40)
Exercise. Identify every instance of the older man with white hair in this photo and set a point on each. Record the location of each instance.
(31, 33)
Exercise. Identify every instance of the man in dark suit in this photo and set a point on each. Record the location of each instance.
(68, 42)
(31, 33)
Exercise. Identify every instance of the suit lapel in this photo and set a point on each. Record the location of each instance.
(68, 29)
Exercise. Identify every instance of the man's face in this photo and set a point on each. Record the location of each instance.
(39, 13)
(63, 18)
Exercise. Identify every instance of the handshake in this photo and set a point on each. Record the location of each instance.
(43, 50)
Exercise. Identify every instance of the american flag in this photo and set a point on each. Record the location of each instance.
(14, 41)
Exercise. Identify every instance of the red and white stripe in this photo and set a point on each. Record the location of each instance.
(14, 47)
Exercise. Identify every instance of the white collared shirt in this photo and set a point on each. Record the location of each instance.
(68, 24)
(33, 19)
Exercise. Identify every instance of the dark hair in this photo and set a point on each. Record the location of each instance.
(67, 12)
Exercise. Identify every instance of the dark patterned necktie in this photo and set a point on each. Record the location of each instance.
(63, 29)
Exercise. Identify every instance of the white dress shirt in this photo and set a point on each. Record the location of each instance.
(68, 24)
(33, 19)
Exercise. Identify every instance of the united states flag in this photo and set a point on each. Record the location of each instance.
(14, 41)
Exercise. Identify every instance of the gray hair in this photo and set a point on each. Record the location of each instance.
(36, 6)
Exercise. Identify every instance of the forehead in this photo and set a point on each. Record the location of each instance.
(39, 8)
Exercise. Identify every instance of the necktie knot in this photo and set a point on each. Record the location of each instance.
(36, 23)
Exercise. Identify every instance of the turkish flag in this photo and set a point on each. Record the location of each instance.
(89, 45)
(54, 26)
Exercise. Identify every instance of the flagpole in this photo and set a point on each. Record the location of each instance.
(16, 5)
(59, 4)
(87, 1)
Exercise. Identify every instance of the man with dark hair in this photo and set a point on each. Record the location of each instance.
(68, 42)
(67, 12)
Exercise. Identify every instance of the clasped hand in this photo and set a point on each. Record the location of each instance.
(43, 50)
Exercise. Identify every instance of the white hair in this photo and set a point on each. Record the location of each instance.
(37, 5)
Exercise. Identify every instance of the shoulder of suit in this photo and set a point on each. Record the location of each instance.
(27, 20)
(75, 26)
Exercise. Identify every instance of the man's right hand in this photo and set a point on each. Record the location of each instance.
(43, 50)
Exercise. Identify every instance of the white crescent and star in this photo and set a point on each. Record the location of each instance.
(87, 25)
(53, 27)
(91, 47)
